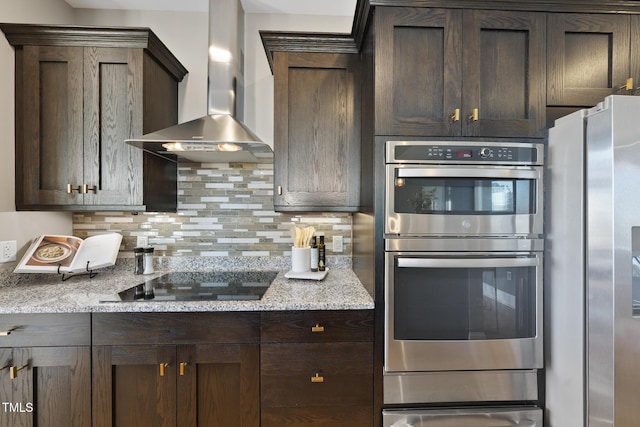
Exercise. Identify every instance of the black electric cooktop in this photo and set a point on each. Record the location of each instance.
(201, 286)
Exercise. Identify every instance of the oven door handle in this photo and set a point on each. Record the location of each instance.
(411, 262)
(495, 173)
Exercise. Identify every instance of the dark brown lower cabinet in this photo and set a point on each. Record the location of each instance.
(317, 384)
(192, 385)
(45, 387)
(325, 377)
(208, 378)
(46, 383)
(222, 387)
(312, 368)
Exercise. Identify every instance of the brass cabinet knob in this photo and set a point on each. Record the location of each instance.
(182, 368)
(455, 117)
(474, 115)
(317, 328)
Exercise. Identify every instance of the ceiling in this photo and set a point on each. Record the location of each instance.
(294, 7)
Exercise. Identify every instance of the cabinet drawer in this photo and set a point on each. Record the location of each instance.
(330, 374)
(175, 328)
(40, 330)
(317, 326)
(346, 416)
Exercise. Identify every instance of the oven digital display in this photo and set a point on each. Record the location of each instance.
(464, 153)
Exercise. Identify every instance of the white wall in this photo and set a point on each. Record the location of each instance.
(23, 226)
(184, 33)
(258, 80)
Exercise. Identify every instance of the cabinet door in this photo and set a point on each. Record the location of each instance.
(113, 112)
(49, 129)
(134, 386)
(635, 52)
(418, 71)
(504, 69)
(13, 393)
(49, 386)
(588, 57)
(317, 132)
(218, 385)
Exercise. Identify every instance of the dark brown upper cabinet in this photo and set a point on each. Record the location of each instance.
(453, 72)
(80, 92)
(589, 57)
(317, 131)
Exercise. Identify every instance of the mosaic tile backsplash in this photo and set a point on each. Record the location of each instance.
(224, 210)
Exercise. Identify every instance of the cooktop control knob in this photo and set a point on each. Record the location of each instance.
(485, 152)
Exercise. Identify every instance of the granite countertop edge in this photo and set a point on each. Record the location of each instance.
(340, 290)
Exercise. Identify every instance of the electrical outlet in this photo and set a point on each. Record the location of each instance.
(338, 244)
(142, 241)
(8, 250)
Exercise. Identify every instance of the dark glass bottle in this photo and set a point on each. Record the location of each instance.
(321, 255)
(314, 254)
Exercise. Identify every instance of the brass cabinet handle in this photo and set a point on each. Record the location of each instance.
(317, 378)
(86, 188)
(163, 367)
(455, 117)
(183, 368)
(13, 371)
(474, 115)
(7, 332)
(627, 86)
(71, 189)
(317, 328)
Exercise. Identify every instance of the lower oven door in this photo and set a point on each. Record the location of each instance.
(469, 311)
(527, 416)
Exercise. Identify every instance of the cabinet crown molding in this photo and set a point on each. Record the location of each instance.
(70, 35)
(279, 41)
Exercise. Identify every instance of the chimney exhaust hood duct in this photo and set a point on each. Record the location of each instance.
(219, 137)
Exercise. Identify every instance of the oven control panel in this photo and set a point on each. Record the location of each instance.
(447, 152)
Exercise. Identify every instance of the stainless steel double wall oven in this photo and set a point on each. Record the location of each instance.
(463, 282)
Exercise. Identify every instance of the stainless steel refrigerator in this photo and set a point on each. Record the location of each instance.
(592, 287)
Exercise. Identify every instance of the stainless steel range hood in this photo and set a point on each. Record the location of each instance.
(219, 137)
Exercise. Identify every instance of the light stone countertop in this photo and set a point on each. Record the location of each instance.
(42, 293)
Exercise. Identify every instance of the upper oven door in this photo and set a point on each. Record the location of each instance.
(463, 200)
